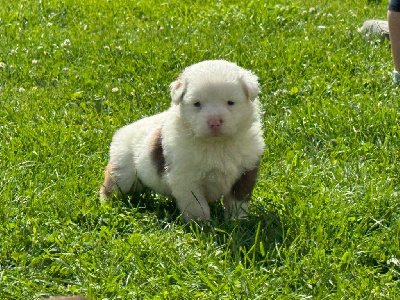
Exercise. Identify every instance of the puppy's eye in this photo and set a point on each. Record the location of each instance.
(197, 104)
(230, 103)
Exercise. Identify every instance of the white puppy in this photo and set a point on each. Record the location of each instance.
(207, 145)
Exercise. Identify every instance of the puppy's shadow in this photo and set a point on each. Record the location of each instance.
(147, 201)
(261, 227)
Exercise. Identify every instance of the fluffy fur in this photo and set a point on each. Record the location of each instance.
(207, 145)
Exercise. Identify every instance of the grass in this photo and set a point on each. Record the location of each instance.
(325, 221)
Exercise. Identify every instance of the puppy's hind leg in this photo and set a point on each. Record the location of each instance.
(120, 172)
(118, 180)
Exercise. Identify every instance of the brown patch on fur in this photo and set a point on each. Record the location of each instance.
(157, 153)
(108, 184)
(178, 83)
(245, 89)
(179, 89)
(243, 187)
(246, 92)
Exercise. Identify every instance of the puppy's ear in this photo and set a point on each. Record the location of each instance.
(178, 90)
(250, 85)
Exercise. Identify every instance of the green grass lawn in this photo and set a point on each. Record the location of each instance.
(325, 220)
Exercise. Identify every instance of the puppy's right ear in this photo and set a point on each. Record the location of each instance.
(178, 90)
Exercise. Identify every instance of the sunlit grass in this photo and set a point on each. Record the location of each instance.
(325, 220)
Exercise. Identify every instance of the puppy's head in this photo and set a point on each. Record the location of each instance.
(216, 98)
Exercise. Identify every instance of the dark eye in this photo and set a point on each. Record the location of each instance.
(230, 103)
(197, 104)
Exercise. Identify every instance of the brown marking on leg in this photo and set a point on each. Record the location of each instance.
(108, 186)
(243, 187)
(157, 153)
(237, 202)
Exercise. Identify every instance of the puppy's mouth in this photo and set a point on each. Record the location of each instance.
(216, 132)
(211, 134)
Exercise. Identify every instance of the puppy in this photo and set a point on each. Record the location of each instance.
(207, 145)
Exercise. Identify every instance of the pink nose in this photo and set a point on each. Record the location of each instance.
(215, 123)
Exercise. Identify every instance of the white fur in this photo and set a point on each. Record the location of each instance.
(203, 162)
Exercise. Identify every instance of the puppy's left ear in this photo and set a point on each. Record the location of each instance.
(250, 85)
(178, 90)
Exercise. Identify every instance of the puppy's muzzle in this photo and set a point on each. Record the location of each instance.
(215, 125)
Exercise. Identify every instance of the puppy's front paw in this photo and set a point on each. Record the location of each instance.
(193, 207)
(235, 209)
